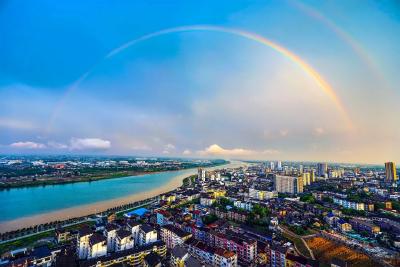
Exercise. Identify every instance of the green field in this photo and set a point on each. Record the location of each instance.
(31, 241)
(25, 241)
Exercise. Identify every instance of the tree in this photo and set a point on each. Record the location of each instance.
(379, 205)
(225, 201)
(210, 218)
(260, 210)
(298, 230)
(309, 198)
(396, 205)
(327, 199)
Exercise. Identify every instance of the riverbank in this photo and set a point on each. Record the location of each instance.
(83, 210)
(46, 181)
(71, 180)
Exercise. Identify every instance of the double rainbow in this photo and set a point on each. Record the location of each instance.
(307, 68)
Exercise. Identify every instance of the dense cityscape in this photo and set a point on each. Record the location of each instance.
(181, 133)
(269, 213)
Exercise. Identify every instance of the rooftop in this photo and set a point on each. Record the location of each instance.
(176, 230)
(121, 233)
(137, 212)
(152, 259)
(146, 228)
(179, 251)
(96, 238)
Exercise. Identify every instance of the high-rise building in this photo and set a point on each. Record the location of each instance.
(322, 169)
(390, 169)
(301, 168)
(299, 186)
(272, 165)
(288, 184)
(279, 165)
(312, 176)
(306, 178)
(201, 174)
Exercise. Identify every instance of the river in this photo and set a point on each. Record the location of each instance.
(49, 201)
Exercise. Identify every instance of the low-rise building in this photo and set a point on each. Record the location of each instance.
(110, 232)
(42, 257)
(130, 257)
(277, 255)
(152, 260)
(207, 201)
(364, 226)
(179, 254)
(349, 204)
(134, 228)
(147, 235)
(62, 235)
(163, 217)
(344, 226)
(243, 205)
(123, 240)
(97, 246)
(245, 248)
(173, 236)
(225, 258)
(261, 194)
(82, 243)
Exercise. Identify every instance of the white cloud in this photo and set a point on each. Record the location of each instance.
(283, 132)
(56, 145)
(187, 152)
(15, 124)
(216, 150)
(28, 145)
(270, 151)
(318, 131)
(169, 146)
(89, 144)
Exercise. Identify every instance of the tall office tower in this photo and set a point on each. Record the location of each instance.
(312, 176)
(306, 178)
(279, 165)
(322, 169)
(299, 185)
(272, 165)
(288, 184)
(390, 169)
(301, 169)
(286, 170)
(201, 174)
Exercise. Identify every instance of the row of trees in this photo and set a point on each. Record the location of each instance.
(259, 215)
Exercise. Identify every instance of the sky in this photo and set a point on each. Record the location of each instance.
(268, 80)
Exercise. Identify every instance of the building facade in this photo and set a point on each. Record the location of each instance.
(390, 170)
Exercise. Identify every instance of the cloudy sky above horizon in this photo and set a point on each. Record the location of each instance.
(200, 93)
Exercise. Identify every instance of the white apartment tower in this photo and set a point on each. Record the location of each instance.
(288, 184)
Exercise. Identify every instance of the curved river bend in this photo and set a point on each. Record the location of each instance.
(28, 201)
(19, 203)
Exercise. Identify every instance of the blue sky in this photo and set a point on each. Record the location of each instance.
(199, 93)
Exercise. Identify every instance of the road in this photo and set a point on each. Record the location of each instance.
(290, 233)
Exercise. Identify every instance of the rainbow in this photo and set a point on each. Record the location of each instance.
(320, 81)
(354, 45)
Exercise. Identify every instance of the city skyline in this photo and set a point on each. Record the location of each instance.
(227, 81)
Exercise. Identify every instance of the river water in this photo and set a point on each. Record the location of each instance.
(23, 202)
